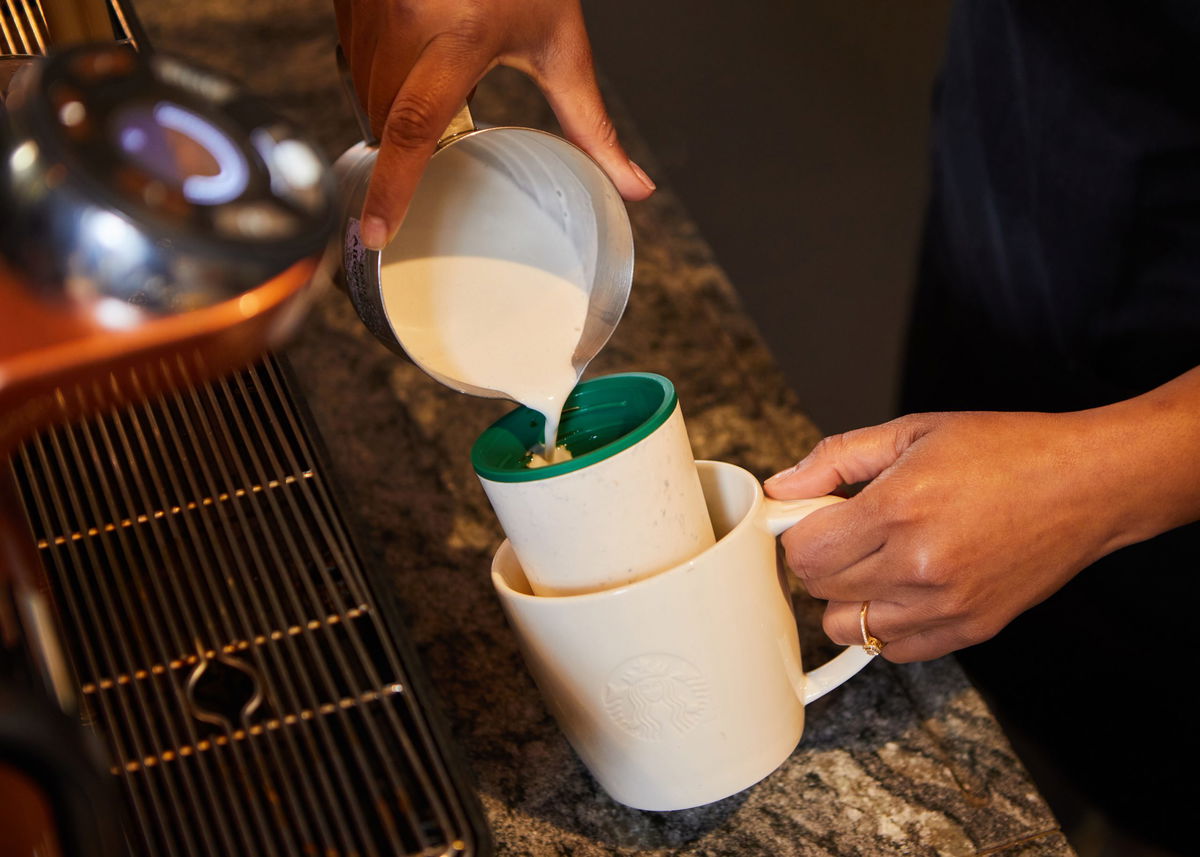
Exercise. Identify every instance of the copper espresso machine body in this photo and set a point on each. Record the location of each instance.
(157, 229)
(148, 212)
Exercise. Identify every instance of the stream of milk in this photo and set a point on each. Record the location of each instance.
(483, 286)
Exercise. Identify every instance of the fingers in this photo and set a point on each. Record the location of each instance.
(568, 79)
(908, 634)
(343, 13)
(844, 459)
(383, 78)
(843, 570)
(918, 617)
(415, 64)
(888, 623)
(841, 621)
(831, 544)
(432, 93)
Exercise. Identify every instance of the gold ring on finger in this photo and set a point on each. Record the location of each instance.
(872, 645)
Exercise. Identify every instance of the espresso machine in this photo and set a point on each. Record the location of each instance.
(193, 658)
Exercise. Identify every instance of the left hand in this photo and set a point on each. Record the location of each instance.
(968, 520)
(414, 62)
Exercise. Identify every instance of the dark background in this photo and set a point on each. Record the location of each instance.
(795, 133)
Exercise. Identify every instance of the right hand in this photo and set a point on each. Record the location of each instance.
(414, 62)
(972, 518)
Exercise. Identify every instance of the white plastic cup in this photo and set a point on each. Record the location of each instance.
(626, 506)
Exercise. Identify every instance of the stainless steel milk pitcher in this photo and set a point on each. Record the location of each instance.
(561, 179)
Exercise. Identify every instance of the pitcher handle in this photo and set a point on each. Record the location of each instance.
(462, 123)
(360, 115)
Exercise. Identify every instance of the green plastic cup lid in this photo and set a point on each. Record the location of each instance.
(601, 417)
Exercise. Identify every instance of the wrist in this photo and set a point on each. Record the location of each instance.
(1147, 452)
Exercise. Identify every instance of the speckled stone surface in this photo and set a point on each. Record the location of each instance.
(901, 761)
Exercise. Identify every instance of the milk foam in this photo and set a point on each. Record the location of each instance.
(484, 286)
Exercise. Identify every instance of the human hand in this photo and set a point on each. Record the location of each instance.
(968, 520)
(414, 62)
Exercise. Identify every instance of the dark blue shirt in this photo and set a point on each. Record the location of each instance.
(1062, 258)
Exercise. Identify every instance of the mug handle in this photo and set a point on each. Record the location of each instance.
(779, 515)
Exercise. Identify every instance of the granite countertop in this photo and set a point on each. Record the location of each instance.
(903, 760)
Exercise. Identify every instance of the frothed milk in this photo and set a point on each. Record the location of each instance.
(483, 285)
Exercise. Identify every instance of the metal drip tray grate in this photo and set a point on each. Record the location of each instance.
(24, 30)
(22, 27)
(228, 646)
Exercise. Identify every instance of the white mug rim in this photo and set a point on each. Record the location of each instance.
(663, 578)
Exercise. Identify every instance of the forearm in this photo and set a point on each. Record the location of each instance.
(1150, 446)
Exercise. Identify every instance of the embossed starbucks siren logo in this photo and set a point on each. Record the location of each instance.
(652, 696)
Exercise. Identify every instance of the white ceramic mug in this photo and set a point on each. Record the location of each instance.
(687, 686)
(627, 506)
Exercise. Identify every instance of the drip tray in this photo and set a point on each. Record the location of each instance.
(254, 690)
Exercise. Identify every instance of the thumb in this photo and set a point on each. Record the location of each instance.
(569, 83)
(843, 459)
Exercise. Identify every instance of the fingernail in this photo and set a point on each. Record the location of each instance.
(642, 177)
(374, 232)
(782, 473)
